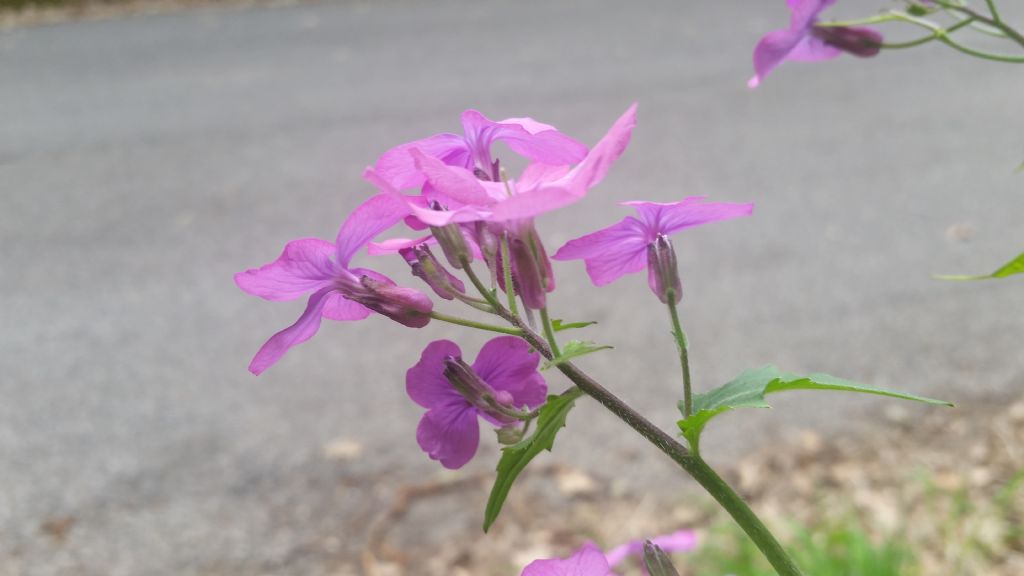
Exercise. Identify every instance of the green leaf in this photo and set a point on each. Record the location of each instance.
(515, 458)
(574, 349)
(749, 389)
(1020, 168)
(558, 325)
(1015, 266)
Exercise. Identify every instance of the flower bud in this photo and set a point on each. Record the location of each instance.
(490, 245)
(426, 267)
(450, 239)
(508, 435)
(862, 42)
(403, 305)
(662, 271)
(531, 267)
(657, 561)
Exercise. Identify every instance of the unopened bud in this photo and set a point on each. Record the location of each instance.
(426, 267)
(403, 305)
(657, 561)
(862, 42)
(531, 267)
(662, 271)
(489, 243)
(508, 435)
(450, 239)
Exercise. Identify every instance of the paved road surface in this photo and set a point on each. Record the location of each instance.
(144, 161)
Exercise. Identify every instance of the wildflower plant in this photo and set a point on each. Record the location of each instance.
(472, 238)
(455, 190)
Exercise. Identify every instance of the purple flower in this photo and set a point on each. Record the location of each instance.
(622, 248)
(455, 394)
(536, 141)
(337, 292)
(804, 41)
(678, 541)
(587, 561)
(541, 188)
(590, 561)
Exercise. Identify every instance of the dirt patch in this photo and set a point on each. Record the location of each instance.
(944, 482)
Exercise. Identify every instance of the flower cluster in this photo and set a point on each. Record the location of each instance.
(452, 187)
(455, 196)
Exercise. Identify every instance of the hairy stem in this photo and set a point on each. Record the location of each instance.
(506, 266)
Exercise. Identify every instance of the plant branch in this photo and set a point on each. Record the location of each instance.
(474, 324)
(692, 464)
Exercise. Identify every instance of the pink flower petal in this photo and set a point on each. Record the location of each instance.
(610, 253)
(425, 382)
(587, 561)
(793, 42)
(303, 329)
(339, 308)
(399, 170)
(547, 195)
(368, 220)
(450, 433)
(304, 266)
(679, 541)
(525, 136)
(507, 364)
(394, 245)
(454, 182)
(666, 218)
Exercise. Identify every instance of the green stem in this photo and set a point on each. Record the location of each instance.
(994, 21)
(684, 355)
(474, 324)
(549, 332)
(927, 39)
(487, 294)
(506, 265)
(993, 10)
(744, 516)
(692, 464)
(689, 462)
(942, 35)
(877, 19)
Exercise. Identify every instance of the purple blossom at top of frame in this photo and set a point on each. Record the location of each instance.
(505, 369)
(337, 290)
(534, 140)
(804, 41)
(541, 188)
(622, 248)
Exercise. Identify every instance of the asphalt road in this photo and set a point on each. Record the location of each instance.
(144, 161)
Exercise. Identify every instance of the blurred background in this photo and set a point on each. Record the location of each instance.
(148, 151)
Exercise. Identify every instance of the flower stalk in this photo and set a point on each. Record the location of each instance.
(684, 355)
(691, 463)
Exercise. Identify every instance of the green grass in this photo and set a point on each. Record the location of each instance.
(835, 550)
